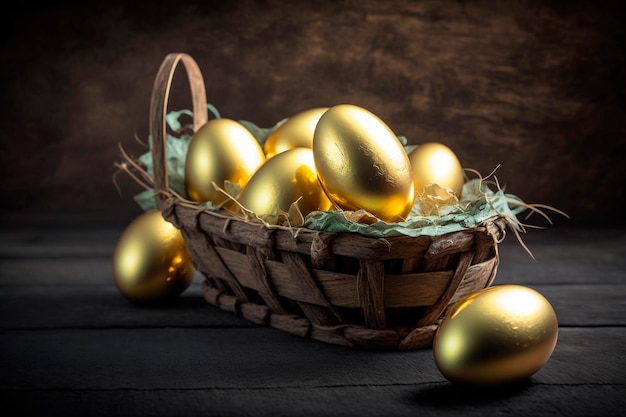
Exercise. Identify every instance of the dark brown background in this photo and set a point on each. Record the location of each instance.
(535, 87)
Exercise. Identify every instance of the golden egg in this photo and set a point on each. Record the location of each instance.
(297, 131)
(362, 164)
(282, 180)
(435, 163)
(150, 261)
(221, 150)
(502, 334)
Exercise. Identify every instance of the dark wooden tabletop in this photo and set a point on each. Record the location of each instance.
(70, 344)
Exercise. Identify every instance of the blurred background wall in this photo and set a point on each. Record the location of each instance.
(534, 87)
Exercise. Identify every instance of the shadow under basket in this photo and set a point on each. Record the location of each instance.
(336, 287)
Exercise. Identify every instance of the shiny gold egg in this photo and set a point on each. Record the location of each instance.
(221, 150)
(362, 164)
(297, 131)
(283, 179)
(502, 334)
(436, 163)
(150, 261)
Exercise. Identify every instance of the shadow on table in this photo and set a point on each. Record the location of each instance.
(453, 395)
(179, 303)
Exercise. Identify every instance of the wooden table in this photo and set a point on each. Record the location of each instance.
(70, 344)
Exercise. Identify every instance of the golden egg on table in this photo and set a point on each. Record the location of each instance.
(150, 261)
(221, 150)
(362, 164)
(283, 179)
(297, 131)
(500, 335)
(436, 163)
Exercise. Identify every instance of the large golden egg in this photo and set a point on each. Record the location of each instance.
(221, 150)
(362, 164)
(283, 179)
(151, 262)
(502, 334)
(297, 131)
(436, 163)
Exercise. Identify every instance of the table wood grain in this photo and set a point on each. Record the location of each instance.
(71, 345)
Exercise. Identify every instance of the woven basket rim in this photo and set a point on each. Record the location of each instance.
(226, 225)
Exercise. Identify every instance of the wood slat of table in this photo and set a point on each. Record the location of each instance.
(70, 344)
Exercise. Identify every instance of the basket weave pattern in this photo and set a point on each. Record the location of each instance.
(335, 287)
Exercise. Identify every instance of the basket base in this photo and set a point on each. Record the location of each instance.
(349, 335)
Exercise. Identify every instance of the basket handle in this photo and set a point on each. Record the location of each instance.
(158, 112)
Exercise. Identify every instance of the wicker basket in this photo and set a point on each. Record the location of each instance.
(341, 288)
